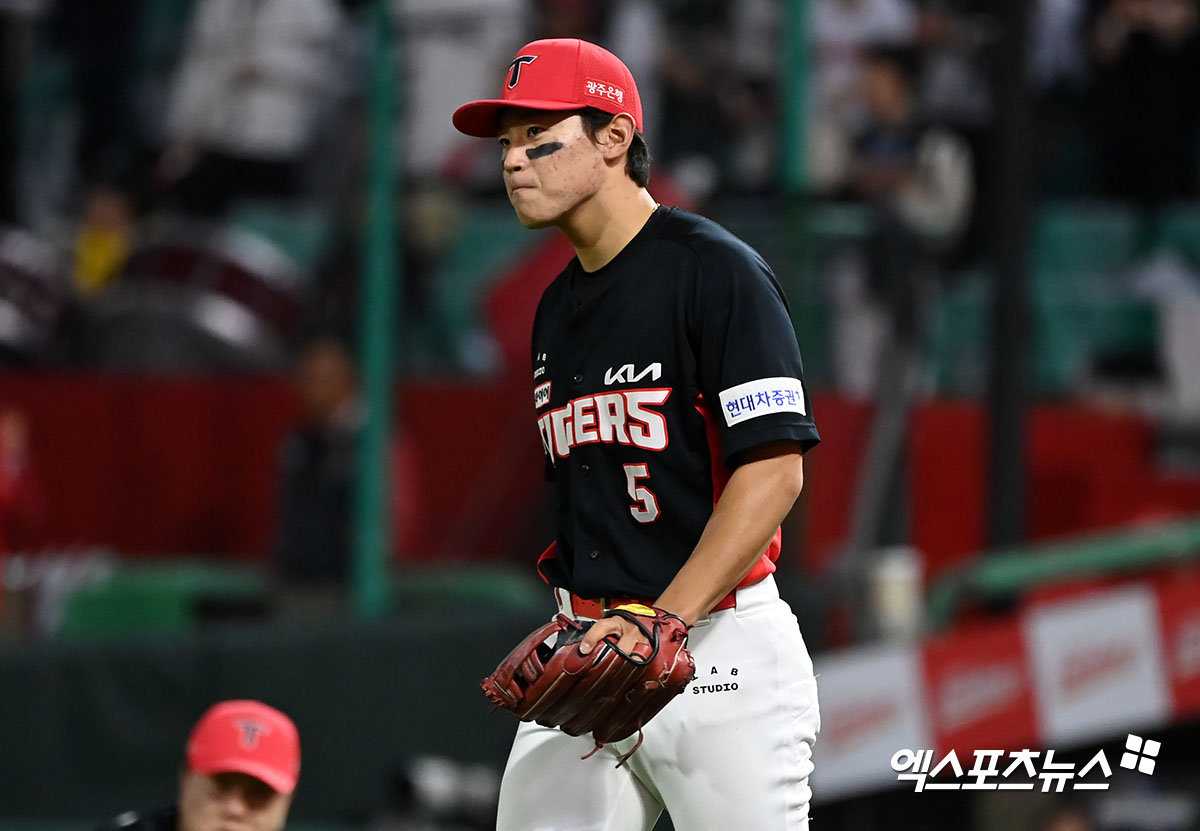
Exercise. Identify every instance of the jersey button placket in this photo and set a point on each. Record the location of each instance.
(595, 555)
(577, 379)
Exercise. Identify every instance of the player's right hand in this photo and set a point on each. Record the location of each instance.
(617, 630)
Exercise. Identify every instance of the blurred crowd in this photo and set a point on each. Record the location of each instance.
(181, 181)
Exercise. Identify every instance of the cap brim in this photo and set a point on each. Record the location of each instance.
(280, 781)
(481, 118)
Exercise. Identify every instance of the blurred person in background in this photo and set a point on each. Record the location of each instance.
(100, 41)
(253, 80)
(914, 173)
(239, 771)
(318, 466)
(916, 179)
(1146, 73)
(103, 238)
(430, 214)
(841, 30)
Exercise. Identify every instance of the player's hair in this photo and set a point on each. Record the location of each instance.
(637, 163)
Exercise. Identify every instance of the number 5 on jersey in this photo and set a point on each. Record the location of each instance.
(645, 507)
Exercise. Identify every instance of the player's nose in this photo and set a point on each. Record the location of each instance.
(234, 806)
(514, 160)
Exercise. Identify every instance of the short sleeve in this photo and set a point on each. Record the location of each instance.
(750, 371)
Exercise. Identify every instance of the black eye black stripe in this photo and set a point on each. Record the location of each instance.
(543, 150)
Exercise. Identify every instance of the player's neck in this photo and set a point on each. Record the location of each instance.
(601, 227)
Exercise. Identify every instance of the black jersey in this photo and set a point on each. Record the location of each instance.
(651, 376)
(158, 819)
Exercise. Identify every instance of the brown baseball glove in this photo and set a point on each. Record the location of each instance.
(607, 693)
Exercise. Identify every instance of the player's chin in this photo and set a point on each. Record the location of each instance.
(533, 212)
(534, 220)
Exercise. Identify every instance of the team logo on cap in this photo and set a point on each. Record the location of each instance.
(514, 68)
(249, 732)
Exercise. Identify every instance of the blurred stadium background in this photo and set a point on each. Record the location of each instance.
(264, 426)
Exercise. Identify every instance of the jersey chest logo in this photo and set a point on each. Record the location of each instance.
(627, 374)
(627, 417)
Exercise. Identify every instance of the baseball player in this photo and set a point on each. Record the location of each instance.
(670, 400)
(239, 771)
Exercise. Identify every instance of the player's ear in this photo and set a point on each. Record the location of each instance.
(616, 136)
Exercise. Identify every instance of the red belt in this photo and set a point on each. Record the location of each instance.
(595, 607)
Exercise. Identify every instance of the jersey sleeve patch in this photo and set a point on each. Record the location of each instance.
(765, 396)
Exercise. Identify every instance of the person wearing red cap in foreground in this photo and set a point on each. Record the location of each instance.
(239, 771)
(668, 391)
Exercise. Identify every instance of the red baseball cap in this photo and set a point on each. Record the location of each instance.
(557, 74)
(246, 737)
